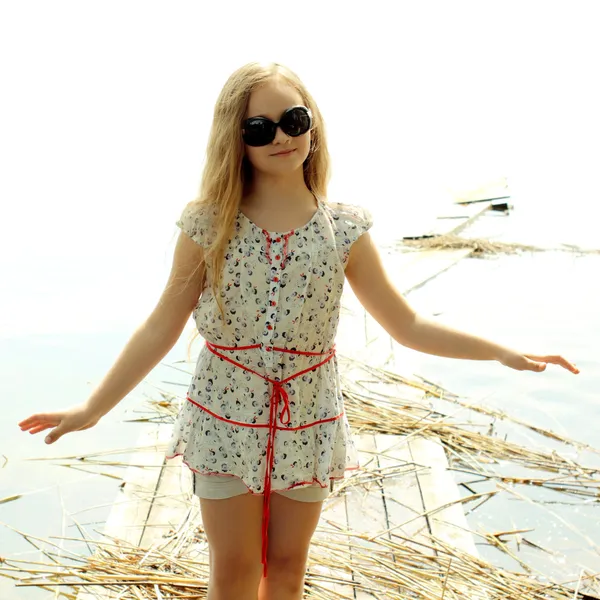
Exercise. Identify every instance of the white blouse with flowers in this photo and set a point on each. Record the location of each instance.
(266, 395)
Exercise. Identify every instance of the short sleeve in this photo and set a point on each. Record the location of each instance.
(351, 222)
(195, 221)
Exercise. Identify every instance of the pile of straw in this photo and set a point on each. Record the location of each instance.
(384, 564)
(388, 568)
(483, 246)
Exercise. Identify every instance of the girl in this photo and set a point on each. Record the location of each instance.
(261, 263)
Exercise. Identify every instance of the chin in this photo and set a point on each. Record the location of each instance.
(278, 166)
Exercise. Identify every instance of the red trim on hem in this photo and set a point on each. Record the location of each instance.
(249, 490)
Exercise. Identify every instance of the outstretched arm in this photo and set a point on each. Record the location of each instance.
(147, 346)
(372, 286)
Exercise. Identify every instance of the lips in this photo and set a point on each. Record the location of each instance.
(284, 153)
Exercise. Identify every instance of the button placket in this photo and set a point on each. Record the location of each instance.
(276, 249)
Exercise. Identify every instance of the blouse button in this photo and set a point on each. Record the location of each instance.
(275, 279)
(278, 239)
(277, 257)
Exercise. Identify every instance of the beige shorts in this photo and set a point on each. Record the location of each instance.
(217, 487)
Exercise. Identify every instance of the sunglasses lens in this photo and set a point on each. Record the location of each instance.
(296, 121)
(258, 132)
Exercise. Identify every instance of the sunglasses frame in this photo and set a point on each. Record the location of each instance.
(278, 124)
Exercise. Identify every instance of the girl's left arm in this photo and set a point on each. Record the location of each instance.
(389, 308)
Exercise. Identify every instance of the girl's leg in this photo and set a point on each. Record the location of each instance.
(292, 523)
(233, 530)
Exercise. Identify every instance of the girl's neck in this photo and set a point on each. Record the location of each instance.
(278, 193)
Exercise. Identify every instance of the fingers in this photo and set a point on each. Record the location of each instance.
(41, 427)
(42, 421)
(50, 419)
(29, 421)
(563, 362)
(556, 360)
(40, 418)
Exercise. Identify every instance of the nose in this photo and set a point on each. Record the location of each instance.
(281, 137)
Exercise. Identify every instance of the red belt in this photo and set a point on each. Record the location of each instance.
(278, 394)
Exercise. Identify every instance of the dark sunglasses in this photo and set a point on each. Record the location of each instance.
(260, 131)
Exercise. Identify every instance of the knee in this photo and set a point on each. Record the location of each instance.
(232, 570)
(288, 571)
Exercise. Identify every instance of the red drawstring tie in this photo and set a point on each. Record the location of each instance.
(278, 394)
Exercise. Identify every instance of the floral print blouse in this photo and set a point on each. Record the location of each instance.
(281, 293)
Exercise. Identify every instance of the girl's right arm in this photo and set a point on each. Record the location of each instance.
(151, 341)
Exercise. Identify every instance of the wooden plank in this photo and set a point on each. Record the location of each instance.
(128, 516)
(457, 212)
(481, 210)
(335, 509)
(366, 514)
(438, 489)
(402, 495)
(430, 226)
(173, 503)
(333, 518)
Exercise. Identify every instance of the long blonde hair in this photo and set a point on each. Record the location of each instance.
(227, 171)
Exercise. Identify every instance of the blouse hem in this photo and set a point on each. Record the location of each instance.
(295, 485)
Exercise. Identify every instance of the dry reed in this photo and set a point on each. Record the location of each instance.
(342, 561)
(483, 246)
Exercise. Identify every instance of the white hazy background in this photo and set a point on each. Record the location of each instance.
(106, 106)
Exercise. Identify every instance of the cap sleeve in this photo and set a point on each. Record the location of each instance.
(352, 222)
(195, 221)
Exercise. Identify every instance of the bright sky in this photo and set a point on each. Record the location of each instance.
(106, 106)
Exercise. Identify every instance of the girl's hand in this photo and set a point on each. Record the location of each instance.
(532, 362)
(78, 418)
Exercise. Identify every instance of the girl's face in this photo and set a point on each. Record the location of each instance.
(271, 100)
